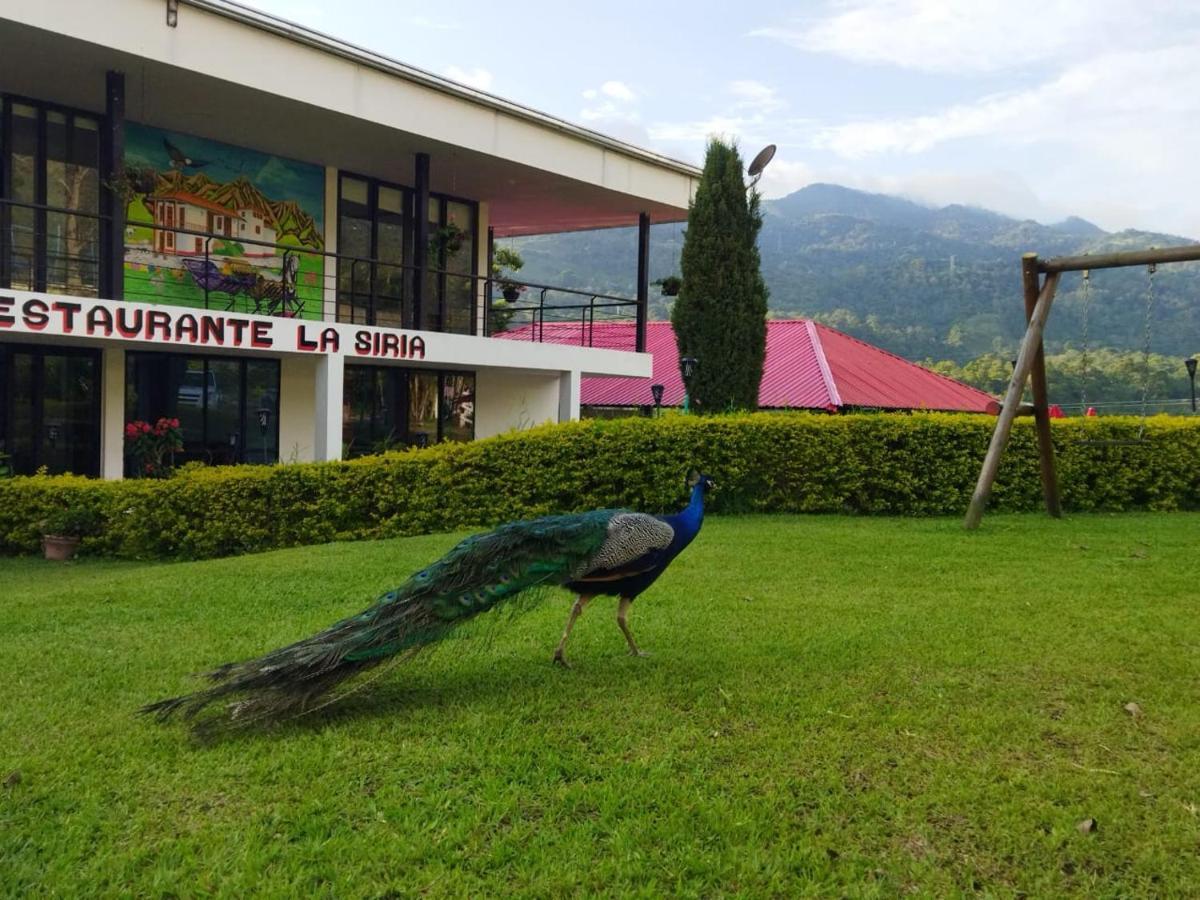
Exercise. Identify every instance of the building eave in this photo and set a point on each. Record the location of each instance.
(362, 56)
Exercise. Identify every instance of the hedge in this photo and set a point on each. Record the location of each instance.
(915, 465)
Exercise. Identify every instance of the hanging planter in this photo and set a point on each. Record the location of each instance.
(670, 285)
(511, 292)
(449, 238)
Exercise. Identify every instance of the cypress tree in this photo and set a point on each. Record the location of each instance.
(720, 314)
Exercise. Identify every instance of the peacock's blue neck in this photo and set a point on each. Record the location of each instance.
(688, 521)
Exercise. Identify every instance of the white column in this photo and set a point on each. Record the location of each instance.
(112, 413)
(568, 395)
(327, 418)
(297, 405)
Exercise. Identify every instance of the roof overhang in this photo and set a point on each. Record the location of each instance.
(234, 74)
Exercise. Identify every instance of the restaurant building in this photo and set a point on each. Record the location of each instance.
(284, 241)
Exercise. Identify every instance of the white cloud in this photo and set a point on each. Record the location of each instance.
(1115, 104)
(479, 77)
(618, 90)
(981, 36)
(754, 95)
(613, 101)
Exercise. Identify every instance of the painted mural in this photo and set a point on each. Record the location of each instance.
(223, 227)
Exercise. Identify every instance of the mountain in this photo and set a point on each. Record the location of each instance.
(921, 281)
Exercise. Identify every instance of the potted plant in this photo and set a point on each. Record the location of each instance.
(670, 285)
(153, 447)
(64, 528)
(450, 238)
(506, 262)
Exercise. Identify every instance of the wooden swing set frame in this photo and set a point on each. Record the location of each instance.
(1031, 363)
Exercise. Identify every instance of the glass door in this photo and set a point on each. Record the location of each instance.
(51, 409)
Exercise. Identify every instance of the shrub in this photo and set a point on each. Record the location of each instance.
(921, 464)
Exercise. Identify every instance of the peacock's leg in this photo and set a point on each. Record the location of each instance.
(622, 612)
(576, 610)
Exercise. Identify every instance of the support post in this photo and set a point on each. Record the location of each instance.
(420, 236)
(643, 281)
(1030, 345)
(113, 244)
(1041, 407)
(327, 402)
(489, 286)
(569, 384)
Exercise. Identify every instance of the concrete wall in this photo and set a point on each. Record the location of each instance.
(297, 409)
(507, 400)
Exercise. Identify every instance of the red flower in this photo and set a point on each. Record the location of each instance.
(131, 430)
(145, 427)
(174, 423)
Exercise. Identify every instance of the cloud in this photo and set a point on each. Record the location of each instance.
(478, 77)
(1117, 104)
(613, 101)
(980, 36)
(756, 96)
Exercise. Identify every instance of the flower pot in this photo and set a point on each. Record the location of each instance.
(511, 294)
(59, 548)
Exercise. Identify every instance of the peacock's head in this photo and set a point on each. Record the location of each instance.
(697, 479)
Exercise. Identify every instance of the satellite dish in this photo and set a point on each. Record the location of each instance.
(765, 155)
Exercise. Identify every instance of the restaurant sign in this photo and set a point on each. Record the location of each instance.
(22, 312)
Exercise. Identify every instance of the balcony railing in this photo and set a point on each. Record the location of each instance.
(60, 250)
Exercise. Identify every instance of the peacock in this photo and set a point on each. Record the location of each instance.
(613, 552)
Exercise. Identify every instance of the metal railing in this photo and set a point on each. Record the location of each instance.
(61, 250)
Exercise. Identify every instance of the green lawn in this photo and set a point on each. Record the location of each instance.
(833, 706)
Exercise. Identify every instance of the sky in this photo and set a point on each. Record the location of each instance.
(1038, 109)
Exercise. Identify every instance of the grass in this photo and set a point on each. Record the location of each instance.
(858, 707)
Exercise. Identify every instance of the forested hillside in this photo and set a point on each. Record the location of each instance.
(941, 284)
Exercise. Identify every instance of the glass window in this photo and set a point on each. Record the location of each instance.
(50, 409)
(53, 159)
(372, 242)
(422, 408)
(460, 292)
(457, 409)
(228, 409)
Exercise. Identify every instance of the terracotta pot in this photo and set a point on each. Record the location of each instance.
(59, 548)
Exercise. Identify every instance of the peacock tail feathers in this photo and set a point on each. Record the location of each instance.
(479, 573)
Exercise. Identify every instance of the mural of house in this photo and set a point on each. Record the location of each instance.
(179, 212)
(254, 227)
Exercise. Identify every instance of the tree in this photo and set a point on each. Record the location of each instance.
(720, 314)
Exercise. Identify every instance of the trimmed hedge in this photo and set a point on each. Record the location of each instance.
(921, 464)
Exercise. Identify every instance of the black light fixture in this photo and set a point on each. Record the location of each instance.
(1013, 363)
(1190, 362)
(656, 391)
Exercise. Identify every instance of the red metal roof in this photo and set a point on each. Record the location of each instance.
(808, 366)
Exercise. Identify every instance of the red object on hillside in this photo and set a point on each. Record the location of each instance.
(1091, 411)
(808, 366)
(1056, 411)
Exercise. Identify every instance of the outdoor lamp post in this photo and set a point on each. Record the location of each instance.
(656, 391)
(1190, 362)
(689, 364)
(264, 419)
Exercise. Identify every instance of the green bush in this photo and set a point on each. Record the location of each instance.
(923, 464)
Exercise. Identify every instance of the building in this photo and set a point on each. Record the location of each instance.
(808, 366)
(279, 238)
